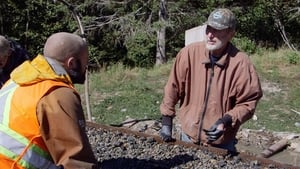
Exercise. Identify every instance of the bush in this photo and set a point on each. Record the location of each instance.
(245, 44)
(141, 50)
(293, 57)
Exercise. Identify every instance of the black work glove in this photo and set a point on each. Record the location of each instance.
(166, 133)
(166, 129)
(213, 133)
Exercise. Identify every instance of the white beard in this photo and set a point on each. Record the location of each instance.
(219, 44)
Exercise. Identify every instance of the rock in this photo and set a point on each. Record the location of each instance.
(295, 146)
(297, 124)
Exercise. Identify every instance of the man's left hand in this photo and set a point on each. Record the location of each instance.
(215, 131)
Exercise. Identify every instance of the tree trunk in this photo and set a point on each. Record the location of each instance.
(278, 11)
(281, 30)
(161, 35)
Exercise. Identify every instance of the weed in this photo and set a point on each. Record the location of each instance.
(293, 57)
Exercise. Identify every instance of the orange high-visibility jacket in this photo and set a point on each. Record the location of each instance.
(21, 144)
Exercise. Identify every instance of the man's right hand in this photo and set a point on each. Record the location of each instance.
(166, 133)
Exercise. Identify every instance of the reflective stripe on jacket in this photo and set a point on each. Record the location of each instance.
(21, 145)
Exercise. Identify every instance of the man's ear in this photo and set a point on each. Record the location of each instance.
(71, 63)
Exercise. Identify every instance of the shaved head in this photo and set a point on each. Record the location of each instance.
(71, 51)
(63, 45)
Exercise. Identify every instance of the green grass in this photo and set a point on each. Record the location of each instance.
(280, 77)
(118, 93)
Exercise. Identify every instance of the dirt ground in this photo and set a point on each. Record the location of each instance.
(253, 142)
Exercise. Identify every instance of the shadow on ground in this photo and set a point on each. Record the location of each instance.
(134, 163)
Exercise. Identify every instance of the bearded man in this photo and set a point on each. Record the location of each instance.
(42, 120)
(215, 84)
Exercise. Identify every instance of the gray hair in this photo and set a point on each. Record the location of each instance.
(4, 46)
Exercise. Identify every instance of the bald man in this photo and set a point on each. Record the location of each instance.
(44, 119)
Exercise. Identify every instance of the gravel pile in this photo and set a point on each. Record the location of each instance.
(117, 150)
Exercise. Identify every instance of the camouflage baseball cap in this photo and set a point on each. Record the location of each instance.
(221, 18)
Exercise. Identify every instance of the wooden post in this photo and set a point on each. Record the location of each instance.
(275, 148)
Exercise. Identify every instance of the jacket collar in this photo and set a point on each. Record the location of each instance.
(56, 67)
(39, 69)
(222, 62)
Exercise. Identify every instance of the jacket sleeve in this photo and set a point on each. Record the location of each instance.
(174, 88)
(247, 93)
(62, 127)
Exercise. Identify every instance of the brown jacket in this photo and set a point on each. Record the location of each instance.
(207, 94)
(62, 125)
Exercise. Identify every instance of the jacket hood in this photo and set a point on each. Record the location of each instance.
(39, 69)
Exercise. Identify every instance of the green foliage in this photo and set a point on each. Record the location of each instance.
(31, 22)
(293, 57)
(125, 31)
(141, 49)
(245, 44)
(256, 22)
